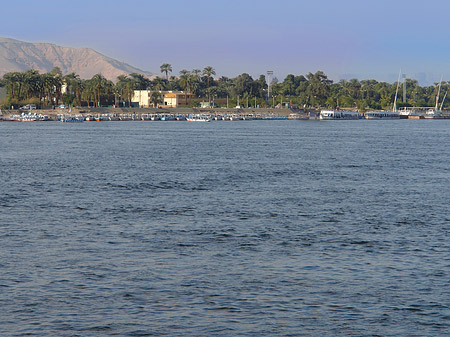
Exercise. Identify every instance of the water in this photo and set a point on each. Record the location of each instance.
(257, 228)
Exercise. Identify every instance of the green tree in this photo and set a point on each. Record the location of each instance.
(208, 72)
(140, 81)
(101, 87)
(10, 82)
(72, 82)
(185, 80)
(318, 87)
(156, 98)
(160, 84)
(32, 85)
(166, 68)
(125, 88)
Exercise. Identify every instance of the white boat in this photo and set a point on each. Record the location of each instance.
(337, 114)
(71, 118)
(433, 114)
(382, 115)
(436, 113)
(30, 117)
(198, 118)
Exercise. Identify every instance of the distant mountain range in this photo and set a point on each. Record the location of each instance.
(21, 56)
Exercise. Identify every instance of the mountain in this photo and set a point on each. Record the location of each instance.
(20, 56)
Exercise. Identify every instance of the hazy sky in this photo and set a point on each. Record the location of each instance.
(344, 38)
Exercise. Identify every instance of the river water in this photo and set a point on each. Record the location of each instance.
(258, 228)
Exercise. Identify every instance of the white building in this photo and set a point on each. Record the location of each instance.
(170, 99)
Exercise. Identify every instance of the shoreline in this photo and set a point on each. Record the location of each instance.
(179, 114)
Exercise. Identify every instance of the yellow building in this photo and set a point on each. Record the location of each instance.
(170, 99)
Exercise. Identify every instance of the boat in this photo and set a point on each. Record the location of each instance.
(113, 117)
(297, 116)
(167, 118)
(431, 114)
(394, 111)
(410, 114)
(71, 118)
(436, 113)
(198, 118)
(337, 115)
(382, 115)
(30, 117)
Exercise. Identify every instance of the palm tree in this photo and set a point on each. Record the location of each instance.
(185, 80)
(140, 81)
(195, 80)
(160, 84)
(99, 84)
(208, 72)
(48, 83)
(32, 85)
(166, 68)
(57, 82)
(70, 81)
(88, 94)
(79, 87)
(10, 80)
(122, 86)
(20, 79)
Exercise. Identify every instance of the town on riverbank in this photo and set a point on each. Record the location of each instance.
(211, 114)
(31, 96)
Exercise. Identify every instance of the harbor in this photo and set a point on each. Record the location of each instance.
(194, 114)
(150, 114)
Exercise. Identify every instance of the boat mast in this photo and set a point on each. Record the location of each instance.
(439, 92)
(443, 100)
(396, 92)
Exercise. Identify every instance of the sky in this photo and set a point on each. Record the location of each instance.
(344, 38)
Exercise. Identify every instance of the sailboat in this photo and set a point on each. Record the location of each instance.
(405, 113)
(435, 113)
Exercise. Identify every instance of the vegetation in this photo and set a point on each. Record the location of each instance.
(311, 90)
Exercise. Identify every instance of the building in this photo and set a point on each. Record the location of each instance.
(175, 99)
(141, 98)
(170, 99)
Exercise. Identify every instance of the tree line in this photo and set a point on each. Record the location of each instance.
(304, 91)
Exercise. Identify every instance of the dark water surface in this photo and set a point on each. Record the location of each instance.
(257, 228)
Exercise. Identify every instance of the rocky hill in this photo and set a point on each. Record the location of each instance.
(20, 56)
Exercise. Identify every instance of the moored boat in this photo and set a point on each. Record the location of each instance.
(198, 118)
(71, 118)
(337, 115)
(29, 117)
(382, 115)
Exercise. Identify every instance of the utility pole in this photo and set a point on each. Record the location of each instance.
(269, 79)
(404, 88)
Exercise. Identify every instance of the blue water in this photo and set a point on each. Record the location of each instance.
(257, 228)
